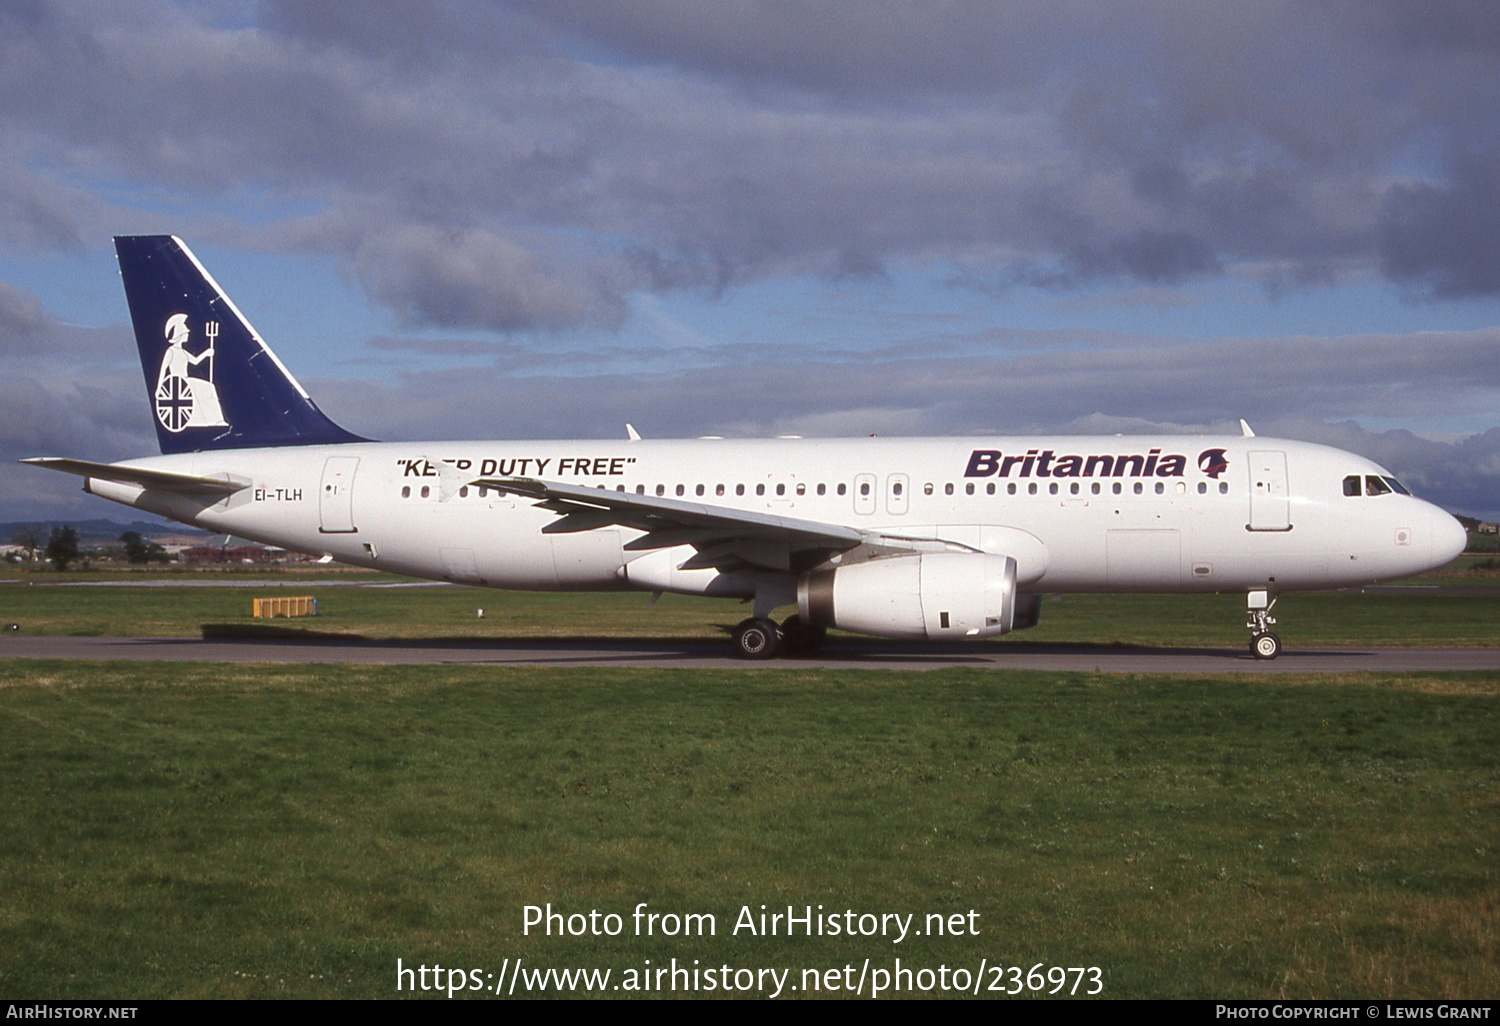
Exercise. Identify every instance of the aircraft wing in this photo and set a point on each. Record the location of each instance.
(726, 539)
(166, 480)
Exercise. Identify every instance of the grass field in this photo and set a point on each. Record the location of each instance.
(252, 831)
(255, 831)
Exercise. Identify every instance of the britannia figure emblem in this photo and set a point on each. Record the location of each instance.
(183, 399)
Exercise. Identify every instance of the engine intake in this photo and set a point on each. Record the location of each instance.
(928, 595)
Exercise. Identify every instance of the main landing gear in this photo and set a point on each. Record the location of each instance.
(1264, 644)
(760, 638)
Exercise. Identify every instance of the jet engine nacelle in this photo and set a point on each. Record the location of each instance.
(930, 595)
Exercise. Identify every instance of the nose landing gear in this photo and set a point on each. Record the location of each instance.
(1264, 644)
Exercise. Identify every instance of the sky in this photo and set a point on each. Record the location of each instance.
(548, 218)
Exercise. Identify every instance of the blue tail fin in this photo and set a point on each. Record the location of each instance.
(213, 383)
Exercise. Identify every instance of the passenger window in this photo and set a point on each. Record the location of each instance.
(843, 488)
(698, 490)
(718, 489)
(1351, 484)
(864, 488)
(781, 489)
(989, 489)
(1010, 489)
(739, 489)
(760, 489)
(1161, 488)
(1223, 487)
(640, 489)
(1031, 488)
(1375, 486)
(927, 488)
(969, 488)
(1117, 488)
(1094, 488)
(822, 489)
(948, 489)
(1202, 487)
(463, 493)
(801, 489)
(406, 491)
(661, 489)
(896, 488)
(681, 490)
(1073, 488)
(426, 491)
(1139, 488)
(1052, 488)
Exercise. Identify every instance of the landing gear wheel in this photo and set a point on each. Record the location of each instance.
(756, 638)
(1265, 646)
(801, 638)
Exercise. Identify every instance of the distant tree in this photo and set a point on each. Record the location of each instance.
(62, 548)
(139, 550)
(29, 537)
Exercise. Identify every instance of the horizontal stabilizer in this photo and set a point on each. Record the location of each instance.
(165, 480)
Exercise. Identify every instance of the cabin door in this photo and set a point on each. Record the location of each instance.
(1270, 501)
(336, 496)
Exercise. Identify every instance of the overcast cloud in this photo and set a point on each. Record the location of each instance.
(544, 203)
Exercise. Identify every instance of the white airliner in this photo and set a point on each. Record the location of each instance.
(899, 538)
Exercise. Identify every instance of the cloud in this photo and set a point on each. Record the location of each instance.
(583, 151)
(431, 277)
(1444, 240)
(38, 213)
(20, 314)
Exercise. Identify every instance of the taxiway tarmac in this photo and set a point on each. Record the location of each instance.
(711, 654)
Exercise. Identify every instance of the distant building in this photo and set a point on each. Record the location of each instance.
(210, 555)
(204, 555)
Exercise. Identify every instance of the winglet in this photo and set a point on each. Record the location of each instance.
(634, 435)
(1245, 429)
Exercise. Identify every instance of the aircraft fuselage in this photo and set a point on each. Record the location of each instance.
(1103, 513)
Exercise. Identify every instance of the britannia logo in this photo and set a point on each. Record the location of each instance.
(185, 399)
(1213, 462)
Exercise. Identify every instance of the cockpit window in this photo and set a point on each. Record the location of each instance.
(1396, 485)
(1376, 485)
(1351, 485)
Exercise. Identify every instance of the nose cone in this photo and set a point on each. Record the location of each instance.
(1449, 539)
